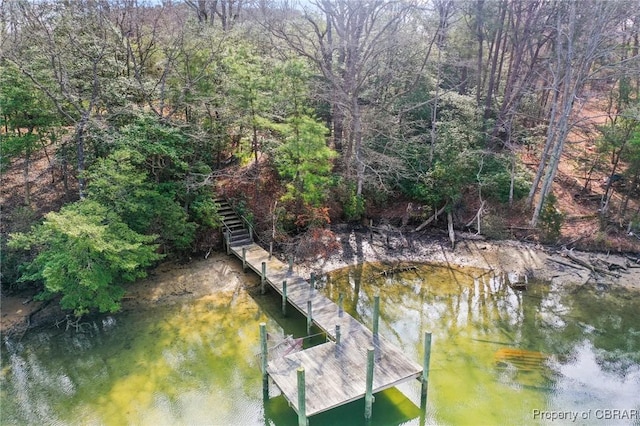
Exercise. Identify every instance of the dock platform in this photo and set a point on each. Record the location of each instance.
(335, 373)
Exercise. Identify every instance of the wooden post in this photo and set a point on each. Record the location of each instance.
(284, 298)
(337, 334)
(263, 278)
(309, 317)
(376, 313)
(368, 396)
(340, 300)
(251, 232)
(290, 264)
(270, 250)
(302, 401)
(227, 239)
(425, 366)
(265, 354)
(312, 280)
(244, 259)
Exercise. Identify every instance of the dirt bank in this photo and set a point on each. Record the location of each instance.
(514, 259)
(171, 283)
(168, 284)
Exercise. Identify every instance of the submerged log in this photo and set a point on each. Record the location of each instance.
(398, 269)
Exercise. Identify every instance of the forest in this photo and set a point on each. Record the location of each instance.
(123, 121)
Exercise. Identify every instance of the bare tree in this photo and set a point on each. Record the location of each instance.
(584, 35)
(228, 11)
(346, 41)
(73, 67)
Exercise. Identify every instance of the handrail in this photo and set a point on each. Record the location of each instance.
(252, 234)
(249, 225)
(227, 237)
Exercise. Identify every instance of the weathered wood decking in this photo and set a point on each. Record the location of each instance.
(335, 374)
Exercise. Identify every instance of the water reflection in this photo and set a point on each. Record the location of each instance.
(498, 355)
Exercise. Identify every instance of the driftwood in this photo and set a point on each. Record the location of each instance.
(570, 265)
(589, 266)
(431, 219)
(633, 259)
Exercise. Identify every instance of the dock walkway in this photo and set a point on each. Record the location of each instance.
(335, 373)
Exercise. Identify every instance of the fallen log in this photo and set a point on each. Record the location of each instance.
(431, 219)
(589, 266)
(563, 263)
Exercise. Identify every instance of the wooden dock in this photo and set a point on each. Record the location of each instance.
(335, 373)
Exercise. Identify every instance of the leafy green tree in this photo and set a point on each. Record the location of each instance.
(304, 159)
(119, 181)
(85, 254)
(27, 119)
(248, 90)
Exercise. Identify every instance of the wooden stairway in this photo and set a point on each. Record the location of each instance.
(232, 224)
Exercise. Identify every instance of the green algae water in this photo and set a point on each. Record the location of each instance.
(499, 356)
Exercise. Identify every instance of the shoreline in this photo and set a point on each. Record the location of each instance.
(518, 261)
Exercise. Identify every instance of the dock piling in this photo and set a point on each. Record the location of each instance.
(302, 401)
(244, 259)
(265, 354)
(340, 301)
(425, 368)
(368, 396)
(284, 298)
(309, 317)
(263, 278)
(227, 239)
(290, 264)
(312, 280)
(270, 250)
(337, 334)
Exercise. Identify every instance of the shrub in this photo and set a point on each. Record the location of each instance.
(551, 220)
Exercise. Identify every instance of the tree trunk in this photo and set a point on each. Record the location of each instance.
(570, 90)
(452, 234)
(494, 64)
(357, 145)
(480, 36)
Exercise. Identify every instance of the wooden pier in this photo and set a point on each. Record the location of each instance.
(335, 373)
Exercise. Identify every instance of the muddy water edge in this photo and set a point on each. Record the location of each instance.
(184, 351)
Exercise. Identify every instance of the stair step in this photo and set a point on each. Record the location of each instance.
(238, 233)
(244, 242)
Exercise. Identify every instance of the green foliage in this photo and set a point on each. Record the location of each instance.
(164, 149)
(455, 159)
(304, 159)
(495, 180)
(147, 207)
(354, 206)
(85, 253)
(551, 220)
(25, 114)
(19, 219)
(205, 211)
